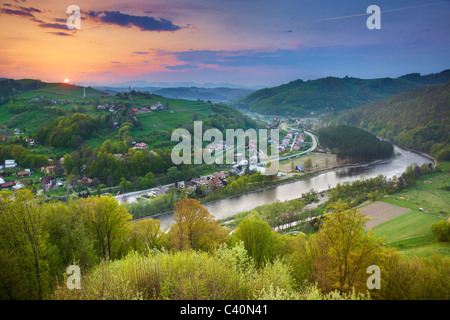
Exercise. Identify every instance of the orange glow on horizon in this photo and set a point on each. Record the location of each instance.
(66, 80)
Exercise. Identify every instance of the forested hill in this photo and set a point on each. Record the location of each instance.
(418, 119)
(354, 144)
(302, 97)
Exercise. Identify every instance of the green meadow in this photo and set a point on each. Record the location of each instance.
(70, 99)
(410, 233)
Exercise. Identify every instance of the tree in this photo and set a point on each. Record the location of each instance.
(145, 234)
(194, 227)
(308, 164)
(69, 238)
(151, 179)
(173, 174)
(339, 254)
(23, 244)
(107, 222)
(124, 185)
(441, 230)
(258, 239)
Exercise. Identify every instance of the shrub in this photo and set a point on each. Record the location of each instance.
(441, 231)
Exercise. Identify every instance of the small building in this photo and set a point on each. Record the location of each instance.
(216, 183)
(10, 164)
(31, 142)
(181, 185)
(22, 174)
(299, 168)
(190, 184)
(200, 182)
(48, 181)
(8, 184)
(219, 175)
(141, 146)
(18, 185)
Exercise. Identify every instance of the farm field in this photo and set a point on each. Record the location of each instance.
(380, 212)
(320, 161)
(410, 233)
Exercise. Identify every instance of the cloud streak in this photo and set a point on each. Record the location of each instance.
(60, 33)
(53, 26)
(16, 12)
(144, 23)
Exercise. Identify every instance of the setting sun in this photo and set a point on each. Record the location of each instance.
(66, 80)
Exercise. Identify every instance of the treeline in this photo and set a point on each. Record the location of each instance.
(165, 203)
(280, 214)
(354, 144)
(128, 164)
(358, 191)
(71, 130)
(197, 258)
(10, 87)
(22, 156)
(418, 119)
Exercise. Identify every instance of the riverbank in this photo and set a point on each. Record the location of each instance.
(275, 184)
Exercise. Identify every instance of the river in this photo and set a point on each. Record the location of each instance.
(228, 207)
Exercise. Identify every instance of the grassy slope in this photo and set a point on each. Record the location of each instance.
(32, 120)
(411, 233)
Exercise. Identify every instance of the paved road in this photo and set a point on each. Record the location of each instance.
(314, 146)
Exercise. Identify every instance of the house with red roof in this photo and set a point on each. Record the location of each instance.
(140, 145)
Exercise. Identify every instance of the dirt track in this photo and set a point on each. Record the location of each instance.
(380, 212)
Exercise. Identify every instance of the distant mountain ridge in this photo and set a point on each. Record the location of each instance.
(139, 84)
(219, 94)
(333, 94)
(213, 94)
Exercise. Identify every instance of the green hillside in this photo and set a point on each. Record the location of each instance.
(411, 233)
(417, 119)
(40, 110)
(327, 94)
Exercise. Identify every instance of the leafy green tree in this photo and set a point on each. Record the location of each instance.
(308, 164)
(338, 255)
(258, 240)
(145, 235)
(441, 230)
(23, 244)
(194, 227)
(107, 223)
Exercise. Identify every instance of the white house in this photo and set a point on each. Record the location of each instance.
(10, 164)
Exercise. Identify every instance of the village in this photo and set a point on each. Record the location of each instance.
(294, 142)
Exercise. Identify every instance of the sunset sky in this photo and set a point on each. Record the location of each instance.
(244, 42)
